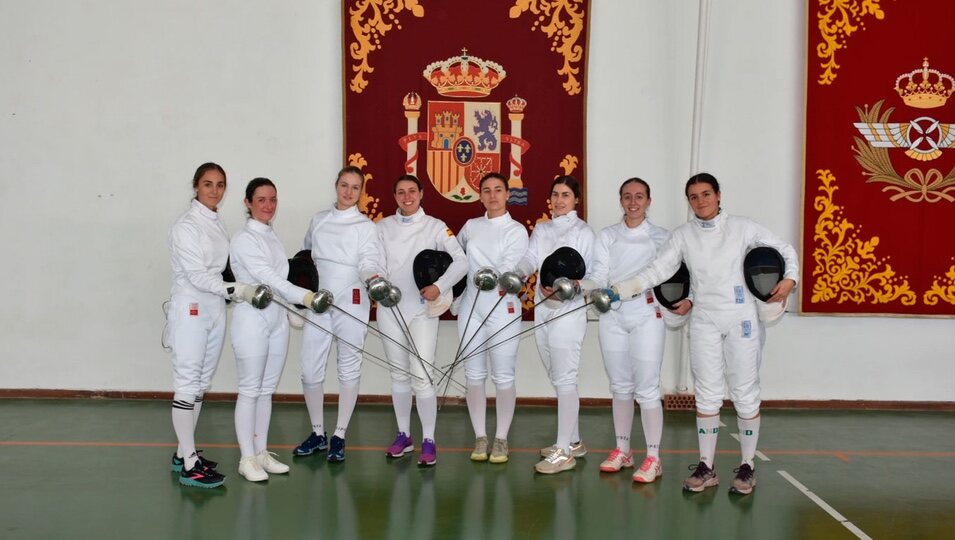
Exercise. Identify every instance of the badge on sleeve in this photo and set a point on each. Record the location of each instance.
(356, 296)
(659, 315)
(194, 309)
(510, 307)
(649, 296)
(738, 293)
(747, 329)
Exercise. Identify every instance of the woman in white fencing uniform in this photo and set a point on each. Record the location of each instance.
(559, 342)
(199, 251)
(344, 246)
(401, 238)
(493, 241)
(632, 337)
(724, 323)
(260, 337)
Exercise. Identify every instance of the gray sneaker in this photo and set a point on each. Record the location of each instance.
(499, 451)
(577, 449)
(556, 462)
(480, 449)
(745, 480)
(702, 478)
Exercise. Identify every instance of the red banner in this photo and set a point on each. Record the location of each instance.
(879, 188)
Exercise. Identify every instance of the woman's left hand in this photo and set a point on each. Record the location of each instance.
(430, 293)
(682, 307)
(782, 289)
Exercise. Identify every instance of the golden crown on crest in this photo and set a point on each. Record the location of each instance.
(921, 90)
(464, 76)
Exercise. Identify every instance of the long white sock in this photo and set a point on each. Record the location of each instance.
(195, 410)
(401, 398)
(428, 413)
(748, 437)
(263, 417)
(183, 425)
(568, 407)
(575, 436)
(506, 399)
(315, 403)
(476, 396)
(245, 424)
(347, 398)
(707, 430)
(623, 420)
(651, 416)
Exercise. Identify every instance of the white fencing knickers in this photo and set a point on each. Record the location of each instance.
(424, 333)
(735, 335)
(196, 333)
(260, 341)
(316, 343)
(632, 340)
(559, 342)
(503, 358)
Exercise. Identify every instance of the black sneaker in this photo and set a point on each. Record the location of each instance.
(745, 480)
(200, 476)
(313, 443)
(336, 452)
(178, 462)
(702, 478)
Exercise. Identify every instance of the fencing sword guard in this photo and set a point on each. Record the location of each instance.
(322, 301)
(510, 282)
(378, 288)
(392, 298)
(601, 300)
(566, 289)
(262, 297)
(485, 279)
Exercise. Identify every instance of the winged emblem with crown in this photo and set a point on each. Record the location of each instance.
(463, 140)
(924, 138)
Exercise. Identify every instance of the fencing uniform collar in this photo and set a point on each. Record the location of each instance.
(350, 210)
(204, 210)
(257, 226)
(404, 220)
(711, 223)
(499, 219)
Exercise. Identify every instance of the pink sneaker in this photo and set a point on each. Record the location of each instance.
(649, 470)
(402, 445)
(617, 460)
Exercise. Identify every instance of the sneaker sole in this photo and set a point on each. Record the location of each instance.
(302, 453)
(618, 469)
(646, 481)
(175, 468)
(478, 457)
(707, 484)
(568, 466)
(733, 489)
(192, 483)
(428, 463)
(407, 450)
(498, 459)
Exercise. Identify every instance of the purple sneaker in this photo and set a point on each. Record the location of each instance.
(429, 453)
(402, 445)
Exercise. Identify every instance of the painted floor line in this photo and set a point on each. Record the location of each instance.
(825, 506)
(759, 454)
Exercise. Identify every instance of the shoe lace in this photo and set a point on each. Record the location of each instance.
(700, 470)
(744, 472)
(647, 464)
(615, 455)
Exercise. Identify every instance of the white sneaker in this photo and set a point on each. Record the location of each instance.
(271, 465)
(253, 472)
(556, 462)
(649, 470)
(577, 449)
(617, 460)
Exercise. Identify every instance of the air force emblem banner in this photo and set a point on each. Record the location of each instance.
(879, 186)
(450, 91)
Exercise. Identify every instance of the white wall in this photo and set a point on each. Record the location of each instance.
(106, 108)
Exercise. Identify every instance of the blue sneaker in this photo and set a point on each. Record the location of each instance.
(403, 444)
(178, 462)
(314, 443)
(336, 451)
(429, 454)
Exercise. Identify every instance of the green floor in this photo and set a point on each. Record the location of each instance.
(99, 469)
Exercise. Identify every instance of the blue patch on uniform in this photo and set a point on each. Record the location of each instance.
(747, 329)
(738, 292)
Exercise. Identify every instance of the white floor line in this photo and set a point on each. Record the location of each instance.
(822, 504)
(759, 454)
